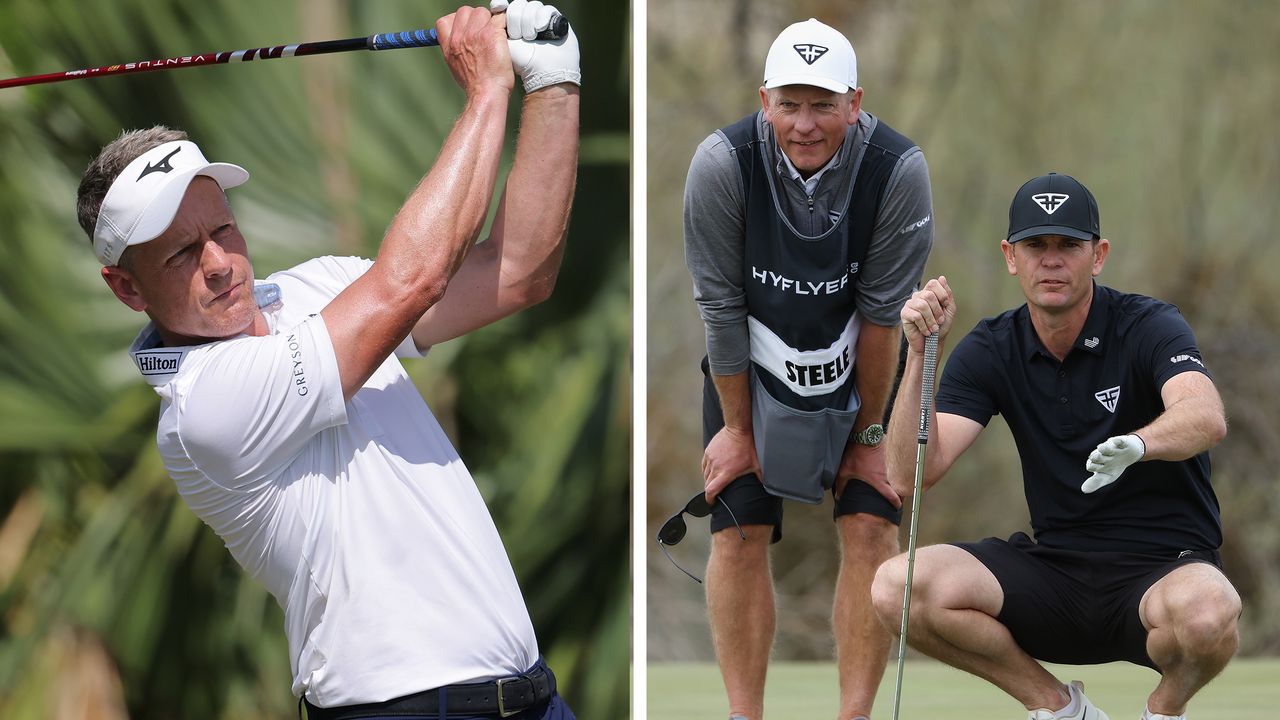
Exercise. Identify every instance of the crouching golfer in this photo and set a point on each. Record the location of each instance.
(291, 430)
(1113, 413)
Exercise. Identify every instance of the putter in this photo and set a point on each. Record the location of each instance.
(922, 441)
(558, 28)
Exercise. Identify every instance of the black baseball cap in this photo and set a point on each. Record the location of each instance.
(1053, 204)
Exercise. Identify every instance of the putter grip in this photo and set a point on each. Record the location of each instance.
(556, 29)
(927, 378)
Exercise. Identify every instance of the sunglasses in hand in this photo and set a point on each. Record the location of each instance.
(674, 529)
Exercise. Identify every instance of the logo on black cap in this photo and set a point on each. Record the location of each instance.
(1053, 204)
(809, 52)
(1050, 201)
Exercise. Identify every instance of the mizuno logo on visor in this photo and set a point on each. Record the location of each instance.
(809, 52)
(1050, 201)
(162, 167)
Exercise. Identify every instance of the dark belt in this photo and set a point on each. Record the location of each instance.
(503, 697)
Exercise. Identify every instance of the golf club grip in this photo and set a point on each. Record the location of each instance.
(406, 39)
(927, 380)
(558, 28)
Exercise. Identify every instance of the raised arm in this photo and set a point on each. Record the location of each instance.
(949, 435)
(440, 220)
(517, 265)
(931, 310)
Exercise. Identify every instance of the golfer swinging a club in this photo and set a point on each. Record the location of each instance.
(287, 421)
(1113, 412)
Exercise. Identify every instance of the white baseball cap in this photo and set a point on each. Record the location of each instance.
(811, 53)
(143, 199)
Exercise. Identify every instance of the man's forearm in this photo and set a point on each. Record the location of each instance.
(426, 243)
(517, 266)
(877, 366)
(735, 400)
(533, 215)
(902, 435)
(1185, 429)
(442, 217)
(899, 460)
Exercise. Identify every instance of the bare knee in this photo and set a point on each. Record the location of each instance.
(730, 550)
(866, 539)
(889, 587)
(887, 590)
(1208, 624)
(944, 577)
(1200, 607)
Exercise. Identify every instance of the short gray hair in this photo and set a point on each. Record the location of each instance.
(111, 161)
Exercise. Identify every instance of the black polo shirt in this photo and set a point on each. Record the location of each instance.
(1108, 384)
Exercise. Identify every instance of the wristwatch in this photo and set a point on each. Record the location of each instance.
(871, 436)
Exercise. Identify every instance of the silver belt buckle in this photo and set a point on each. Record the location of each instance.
(502, 708)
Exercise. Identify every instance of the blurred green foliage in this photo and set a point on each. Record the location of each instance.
(1162, 107)
(114, 596)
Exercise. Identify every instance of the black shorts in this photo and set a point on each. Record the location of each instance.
(753, 505)
(1077, 607)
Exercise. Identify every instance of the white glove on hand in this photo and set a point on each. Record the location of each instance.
(539, 63)
(1110, 458)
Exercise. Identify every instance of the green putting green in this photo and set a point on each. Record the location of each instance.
(1249, 689)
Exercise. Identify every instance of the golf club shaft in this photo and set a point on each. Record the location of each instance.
(389, 41)
(922, 442)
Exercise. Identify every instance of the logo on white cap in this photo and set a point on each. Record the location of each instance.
(809, 52)
(1050, 202)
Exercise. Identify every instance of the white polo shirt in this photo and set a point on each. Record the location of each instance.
(359, 517)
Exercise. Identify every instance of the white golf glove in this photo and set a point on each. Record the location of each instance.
(539, 63)
(1110, 458)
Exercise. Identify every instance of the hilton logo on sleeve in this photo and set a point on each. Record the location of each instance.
(158, 362)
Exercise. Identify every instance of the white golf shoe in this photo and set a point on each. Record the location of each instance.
(1084, 710)
(1148, 715)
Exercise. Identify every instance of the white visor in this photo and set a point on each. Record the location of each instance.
(141, 203)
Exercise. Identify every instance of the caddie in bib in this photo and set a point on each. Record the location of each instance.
(807, 226)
